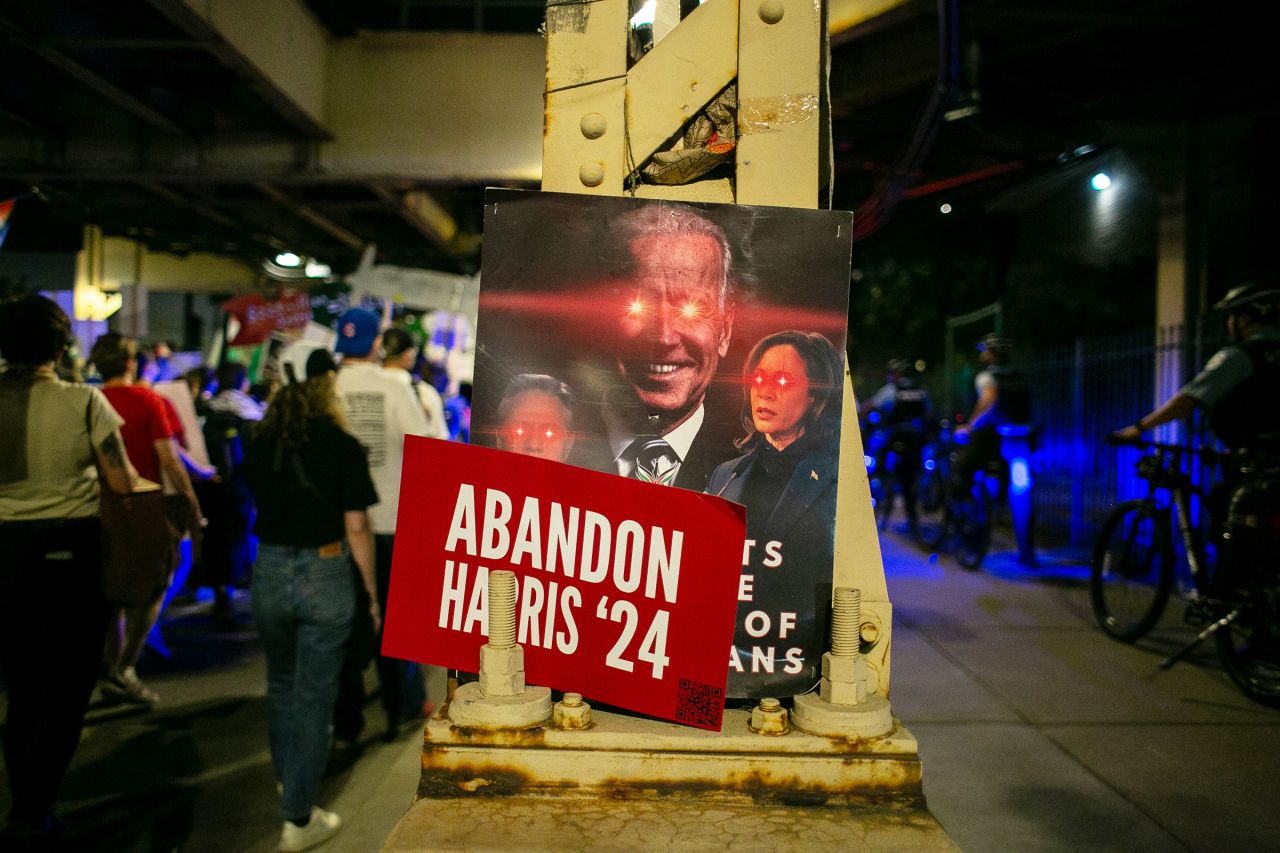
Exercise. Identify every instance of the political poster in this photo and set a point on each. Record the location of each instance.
(698, 346)
(622, 597)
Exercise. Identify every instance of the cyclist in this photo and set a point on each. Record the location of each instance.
(1004, 399)
(1237, 387)
(903, 407)
(1238, 384)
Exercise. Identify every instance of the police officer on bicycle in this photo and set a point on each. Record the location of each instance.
(903, 407)
(1004, 399)
(1239, 385)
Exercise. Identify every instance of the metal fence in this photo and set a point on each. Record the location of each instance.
(1084, 391)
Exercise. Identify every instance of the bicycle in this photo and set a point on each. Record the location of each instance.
(957, 520)
(894, 463)
(1134, 567)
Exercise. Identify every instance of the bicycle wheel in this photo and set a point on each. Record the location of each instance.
(1132, 570)
(931, 507)
(1249, 645)
(972, 523)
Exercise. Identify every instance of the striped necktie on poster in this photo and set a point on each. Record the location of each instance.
(653, 461)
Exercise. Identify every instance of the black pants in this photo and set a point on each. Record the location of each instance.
(981, 451)
(395, 676)
(53, 622)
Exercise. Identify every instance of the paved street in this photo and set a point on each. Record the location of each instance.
(1037, 733)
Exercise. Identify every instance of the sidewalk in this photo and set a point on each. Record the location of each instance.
(195, 774)
(1037, 732)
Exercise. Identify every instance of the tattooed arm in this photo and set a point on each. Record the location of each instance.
(115, 466)
(167, 451)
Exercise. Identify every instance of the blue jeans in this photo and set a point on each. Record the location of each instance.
(303, 605)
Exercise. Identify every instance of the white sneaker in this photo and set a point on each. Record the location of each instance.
(322, 826)
(125, 686)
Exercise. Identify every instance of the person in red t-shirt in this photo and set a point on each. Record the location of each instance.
(149, 440)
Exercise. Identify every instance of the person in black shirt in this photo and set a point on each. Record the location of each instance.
(787, 482)
(312, 488)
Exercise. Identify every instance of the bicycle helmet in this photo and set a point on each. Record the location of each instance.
(1251, 298)
(998, 344)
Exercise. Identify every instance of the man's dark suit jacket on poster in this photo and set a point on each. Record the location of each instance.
(803, 520)
(709, 449)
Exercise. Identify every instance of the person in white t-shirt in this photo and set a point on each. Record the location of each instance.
(381, 410)
(399, 354)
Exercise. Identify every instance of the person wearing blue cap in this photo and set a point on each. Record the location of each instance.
(381, 410)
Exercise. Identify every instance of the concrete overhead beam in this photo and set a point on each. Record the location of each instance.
(438, 107)
(278, 45)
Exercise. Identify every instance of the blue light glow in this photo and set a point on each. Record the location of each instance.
(929, 464)
(870, 462)
(1019, 475)
(1100, 181)
(873, 417)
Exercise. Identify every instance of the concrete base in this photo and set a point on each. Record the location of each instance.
(550, 825)
(629, 783)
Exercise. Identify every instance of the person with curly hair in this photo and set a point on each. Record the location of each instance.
(312, 489)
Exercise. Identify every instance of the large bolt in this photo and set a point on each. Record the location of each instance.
(846, 621)
(502, 609)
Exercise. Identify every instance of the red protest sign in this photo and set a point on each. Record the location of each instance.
(627, 590)
(259, 317)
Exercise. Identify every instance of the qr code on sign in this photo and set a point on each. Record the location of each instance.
(699, 704)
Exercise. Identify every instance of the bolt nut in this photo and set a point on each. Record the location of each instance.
(771, 11)
(567, 714)
(591, 174)
(769, 718)
(845, 669)
(842, 693)
(593, 125)
(501, 671)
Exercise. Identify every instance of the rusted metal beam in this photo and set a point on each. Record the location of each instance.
(312, 216)
(623, 757)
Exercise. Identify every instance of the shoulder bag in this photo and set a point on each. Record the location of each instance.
(140, 536)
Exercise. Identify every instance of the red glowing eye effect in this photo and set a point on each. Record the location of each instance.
(520, 431)
(782, 380)
(688, 310)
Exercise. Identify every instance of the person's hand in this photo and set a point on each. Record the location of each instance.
(1129, 433)
(375, 613)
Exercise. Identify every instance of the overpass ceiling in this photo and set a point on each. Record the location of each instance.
(1049, 77)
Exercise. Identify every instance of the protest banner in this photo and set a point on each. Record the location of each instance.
(626, 590)
(698, 345)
